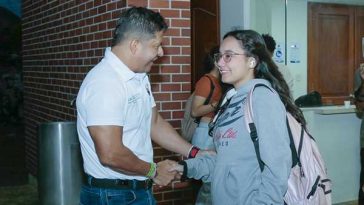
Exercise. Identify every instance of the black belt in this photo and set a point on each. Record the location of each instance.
(118, 183)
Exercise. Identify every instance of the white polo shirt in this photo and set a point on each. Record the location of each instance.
(112, 94)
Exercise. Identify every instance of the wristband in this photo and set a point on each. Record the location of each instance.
(184, 174)
(193, 152)
(152, 170)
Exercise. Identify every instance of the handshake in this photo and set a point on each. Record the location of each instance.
(169, 170)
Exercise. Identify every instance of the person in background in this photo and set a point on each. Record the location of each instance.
(234, 171)
(359, 103)
(117, 117)
(201, 137)
(271, 46)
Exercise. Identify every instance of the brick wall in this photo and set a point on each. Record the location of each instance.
(63, 40)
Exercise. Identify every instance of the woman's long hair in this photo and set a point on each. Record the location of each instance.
(253, 45)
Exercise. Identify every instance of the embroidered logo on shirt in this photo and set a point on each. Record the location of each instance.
(133, 99)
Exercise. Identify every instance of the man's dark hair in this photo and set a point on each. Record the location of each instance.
(138, 22)
(269, 42)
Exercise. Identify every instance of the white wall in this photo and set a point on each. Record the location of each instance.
(297, 34)
(231, 15)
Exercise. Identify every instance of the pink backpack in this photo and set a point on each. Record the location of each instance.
(308, 183)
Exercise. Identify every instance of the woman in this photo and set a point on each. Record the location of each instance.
(234, 171)
(209, 83)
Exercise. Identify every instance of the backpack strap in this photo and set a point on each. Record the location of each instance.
(212, 88)
(249, 123)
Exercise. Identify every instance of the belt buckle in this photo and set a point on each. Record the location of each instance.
(123, 183)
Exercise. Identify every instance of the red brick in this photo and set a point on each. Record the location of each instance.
(177, 114)
(159, 4)
(186, 32)
(142, 3)
(170, 69)
(162, 96)
(180, 23)
(180, 96)
(166, 13)
(173, 32)
(181, 4)
(172, 50)
(181, 41)
(170, 87)
(181, 59)
(160, 78)
(181, 78)
(186, 14)
(171, 105)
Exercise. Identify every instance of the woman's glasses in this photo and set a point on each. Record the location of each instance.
(225, 56)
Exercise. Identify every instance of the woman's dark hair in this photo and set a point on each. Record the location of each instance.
(139, 22)
(208, 61)
(253, 45)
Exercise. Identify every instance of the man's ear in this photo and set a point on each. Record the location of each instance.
(133, 46)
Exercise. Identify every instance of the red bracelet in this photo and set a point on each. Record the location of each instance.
(193, 152)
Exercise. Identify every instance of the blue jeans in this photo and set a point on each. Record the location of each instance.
(100, 196)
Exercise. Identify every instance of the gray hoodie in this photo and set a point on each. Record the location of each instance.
(234, 171)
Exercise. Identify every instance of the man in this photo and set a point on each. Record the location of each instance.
(359, 102)
(271, 46)
(117, 116)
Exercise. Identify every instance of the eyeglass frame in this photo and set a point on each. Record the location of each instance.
(218, 56)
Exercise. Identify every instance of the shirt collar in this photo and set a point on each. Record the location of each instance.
(123, 71)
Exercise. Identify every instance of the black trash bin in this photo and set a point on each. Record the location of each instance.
(60, 164)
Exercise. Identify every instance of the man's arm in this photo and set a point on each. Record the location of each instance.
(112, 153)
(166, 136)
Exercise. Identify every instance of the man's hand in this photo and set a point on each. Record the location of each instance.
(165, 173)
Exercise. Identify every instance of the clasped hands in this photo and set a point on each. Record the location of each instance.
(169, 170)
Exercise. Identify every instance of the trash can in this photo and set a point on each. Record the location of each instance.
(60, 164)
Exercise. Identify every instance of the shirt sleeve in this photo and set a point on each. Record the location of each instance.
(203, 87)
(270, 119)
(201, 167)
(105, 104)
